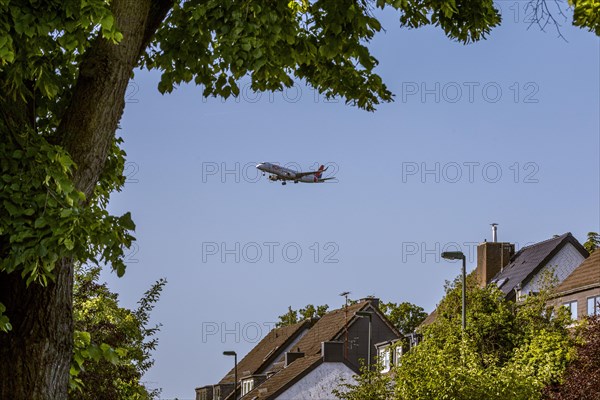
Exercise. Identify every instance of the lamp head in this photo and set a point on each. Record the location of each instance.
(229, 353)
(453, 255)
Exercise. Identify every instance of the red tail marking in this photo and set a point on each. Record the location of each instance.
(318, 174)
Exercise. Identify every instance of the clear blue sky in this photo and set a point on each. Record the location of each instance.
(383, 221)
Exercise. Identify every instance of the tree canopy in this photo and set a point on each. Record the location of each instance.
(508, 351)
(114, 344)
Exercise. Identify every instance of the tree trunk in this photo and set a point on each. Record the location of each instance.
(35, 356)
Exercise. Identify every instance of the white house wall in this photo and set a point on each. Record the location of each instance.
(563, 263)
(319, 383)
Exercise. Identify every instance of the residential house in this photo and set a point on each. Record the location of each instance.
(521, 273)
(524, 272)
(260, 359)
(307, 360)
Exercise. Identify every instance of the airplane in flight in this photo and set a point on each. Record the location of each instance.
(283, 174)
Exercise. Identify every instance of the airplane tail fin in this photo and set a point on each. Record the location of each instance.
(320, 173)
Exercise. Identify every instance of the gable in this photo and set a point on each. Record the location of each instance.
(585, 276)
(319, 383)
(562, 265)
(526, 264)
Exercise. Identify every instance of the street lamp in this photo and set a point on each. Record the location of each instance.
(367, 314)
(458, 255)
(234, 354)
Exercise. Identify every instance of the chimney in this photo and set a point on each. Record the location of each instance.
(492, 257)
(373, 300)
(494, 232)
(290, 357)
(332, 351)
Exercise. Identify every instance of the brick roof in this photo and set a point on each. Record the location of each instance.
(584, 276)
(529, 260)
(266, 350)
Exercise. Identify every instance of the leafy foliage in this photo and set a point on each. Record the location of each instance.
(581, 380)
(592, 242)
(113, 345)
(307, 313)
(405, 316)
(586, 14)
(320, 42)
(507, 351)
(48, 219)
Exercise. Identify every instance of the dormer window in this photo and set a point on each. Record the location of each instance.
(247, 386)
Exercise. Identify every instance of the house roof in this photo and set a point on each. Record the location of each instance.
(527, 262)
(429, 319)
(266, 350)
(327, 328)
(285, 378)
(585, 276)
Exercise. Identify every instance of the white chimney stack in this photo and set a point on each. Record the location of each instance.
(494, 232)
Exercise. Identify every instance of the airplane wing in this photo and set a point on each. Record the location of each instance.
(301, 174)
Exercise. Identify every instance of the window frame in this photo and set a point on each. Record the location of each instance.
(249, 384)
(596, 309)
(387, 366)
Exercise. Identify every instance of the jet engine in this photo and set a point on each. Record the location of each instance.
(273, 178)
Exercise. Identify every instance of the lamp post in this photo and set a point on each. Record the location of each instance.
(234, 354)
(367, 314)
(458, 255)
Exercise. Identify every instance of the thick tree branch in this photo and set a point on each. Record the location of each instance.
(158, 13)
(89, 124)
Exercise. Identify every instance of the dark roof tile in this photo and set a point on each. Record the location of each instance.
(529, 260)
(266, 350)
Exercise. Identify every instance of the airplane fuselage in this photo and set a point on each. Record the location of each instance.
(283, 174)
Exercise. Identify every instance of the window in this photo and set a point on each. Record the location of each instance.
(593, 306)
(247, 386)
(572, 306)
(217, 393)
(398, 355)
(384, 358)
